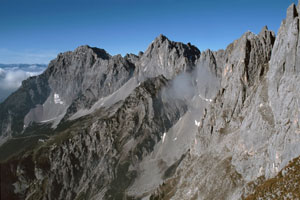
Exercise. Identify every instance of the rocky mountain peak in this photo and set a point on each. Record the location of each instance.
(159, 42)
(291, 13)
(267, 35)
(167, 57)
(83, 55)
(161, 38)
(100, 53)
(264, 29)
(247, 57)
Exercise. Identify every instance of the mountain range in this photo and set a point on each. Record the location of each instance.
(169, 123)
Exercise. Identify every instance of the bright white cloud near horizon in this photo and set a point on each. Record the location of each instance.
(11, 77)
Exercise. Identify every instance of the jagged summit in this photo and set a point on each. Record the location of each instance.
(167, 57)
(263, 30)
(101, 53)
(291, 13)
(160, 39)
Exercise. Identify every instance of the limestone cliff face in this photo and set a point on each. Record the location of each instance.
(77, 80)
(219, 163)
(283, 91)
(251, 131)
(167, 58)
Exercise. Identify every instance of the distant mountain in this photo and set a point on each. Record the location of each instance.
(169, 123)
(12, 75)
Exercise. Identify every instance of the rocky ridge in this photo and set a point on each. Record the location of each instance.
(88, 90)
(251, 131)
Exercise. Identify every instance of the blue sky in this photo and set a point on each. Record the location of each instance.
(35, 31)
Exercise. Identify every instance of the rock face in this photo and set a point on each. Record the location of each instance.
(170, 123)
(217, 165)
(169, 58)
(102, 149)
(78, 79)
(283, 83)
(33, 91)
(73, 80)
(252, 130)
(98, 119)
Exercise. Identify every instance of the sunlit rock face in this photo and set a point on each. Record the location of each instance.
(170, 123)
(134, 117)
(250, 132)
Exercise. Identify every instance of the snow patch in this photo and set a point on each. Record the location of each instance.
(107, 101)
(163, 137)
(57, 99)
(41, 140)
(48, 120)
(260, 173)
(205, 99)
(197, 123)
(261, 105)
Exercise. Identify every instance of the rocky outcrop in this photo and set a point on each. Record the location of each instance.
(250, 132)
(219, 162)
(78, 79)
(167, 58)
(97, 156)
(33, 91)
(283, 91)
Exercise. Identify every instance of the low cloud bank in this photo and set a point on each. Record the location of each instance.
(200, 83)
(11, 77)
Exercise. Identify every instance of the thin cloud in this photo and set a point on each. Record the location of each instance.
(29, 57)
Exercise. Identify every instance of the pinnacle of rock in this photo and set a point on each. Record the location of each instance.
(291, 13)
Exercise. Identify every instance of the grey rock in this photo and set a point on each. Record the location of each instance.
(74, 80)
(33, 91)
(88, 91)
(218, 166)
(101, 158)
(170, 123)
(167, 58)
(251, 131)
